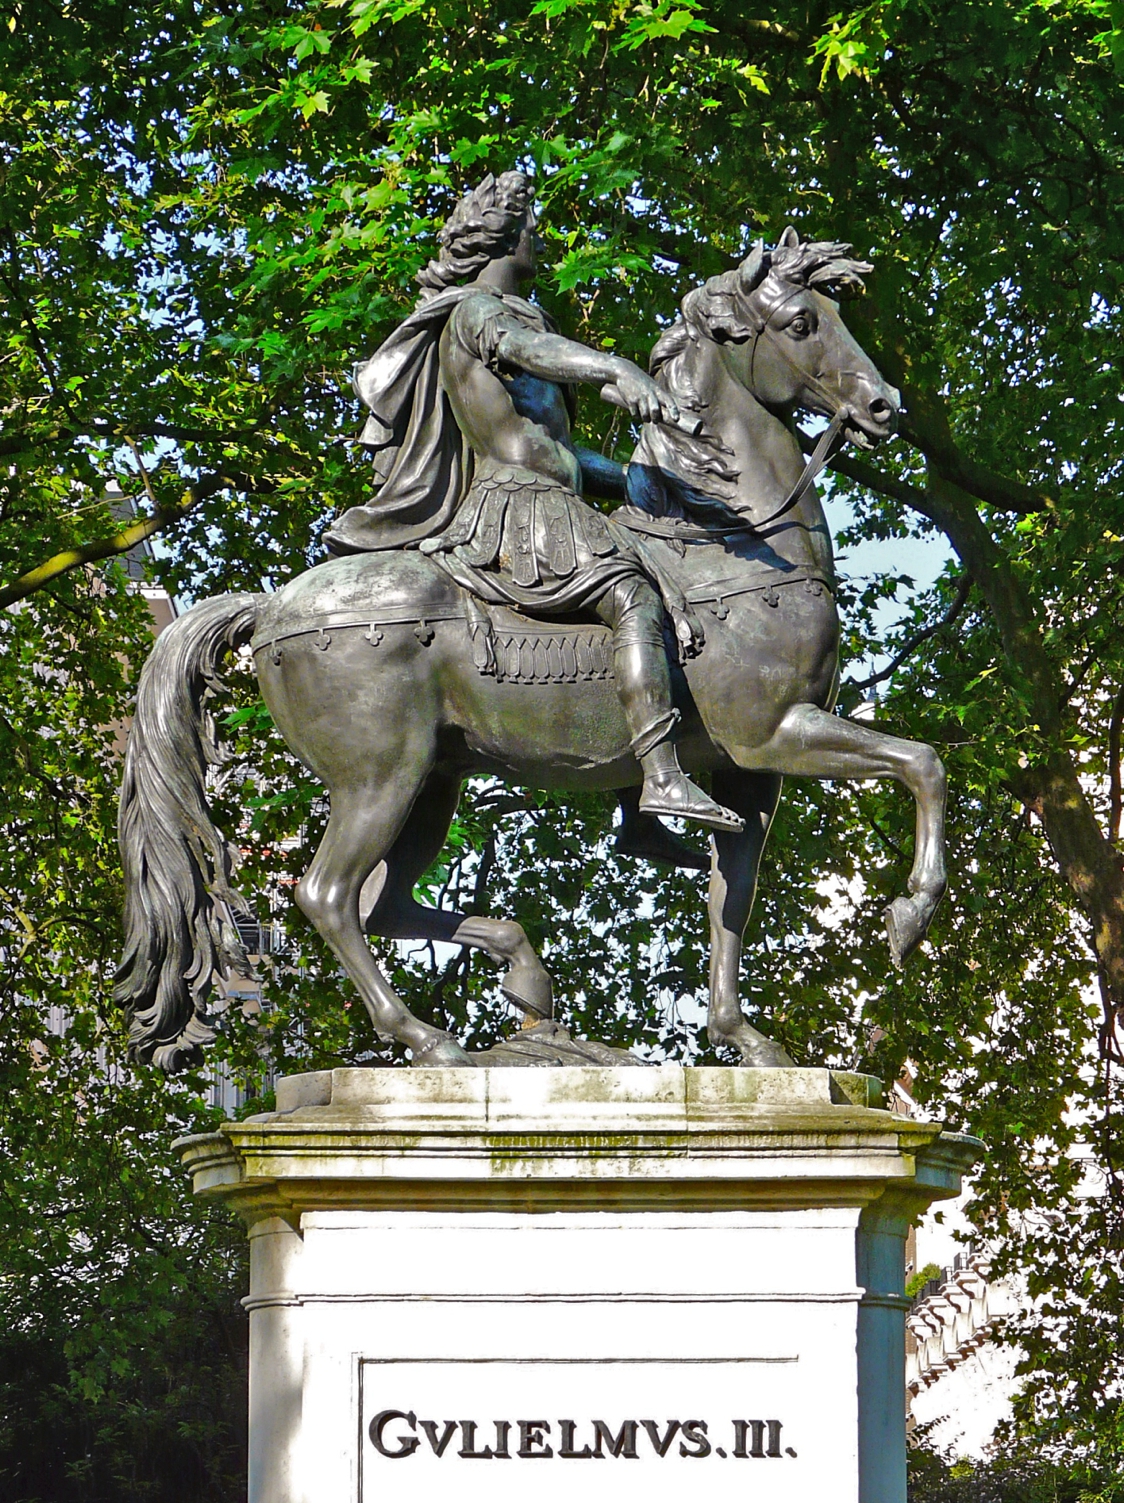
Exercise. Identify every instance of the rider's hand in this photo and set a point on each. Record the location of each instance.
(688, 633)
(639, 395)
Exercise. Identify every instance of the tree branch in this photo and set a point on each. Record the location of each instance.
(175, 431)
(14, 284)
(883, 837)
(873, 479)
(19, 443)
(1115, 725)
(152, 501)
(995, 490)
(963, 590)
(120, 542)
(1051, 783)
(925, 423)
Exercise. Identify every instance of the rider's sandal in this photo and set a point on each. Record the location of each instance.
(697, 807)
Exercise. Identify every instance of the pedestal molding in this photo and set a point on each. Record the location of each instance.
(748, 1225)
(672, 1138)
(856, 1296)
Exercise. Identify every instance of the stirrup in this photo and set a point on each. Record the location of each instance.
(697, 806)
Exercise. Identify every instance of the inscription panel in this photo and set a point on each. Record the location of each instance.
(581, 1430)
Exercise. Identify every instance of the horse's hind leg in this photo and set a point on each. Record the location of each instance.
(733, 882)
(646, 836)
(364, 823)
(812, 743)
(397, 914)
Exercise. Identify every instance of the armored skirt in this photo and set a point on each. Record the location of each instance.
(521, 539)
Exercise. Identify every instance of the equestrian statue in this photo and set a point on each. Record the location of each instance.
(480, 616)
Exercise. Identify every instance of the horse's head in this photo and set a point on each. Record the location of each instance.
(783, 340)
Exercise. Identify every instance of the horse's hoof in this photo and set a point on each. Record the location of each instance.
(767, 1055)
(757, 1052)
(530, 988)
(905, 929)
(441, 1052)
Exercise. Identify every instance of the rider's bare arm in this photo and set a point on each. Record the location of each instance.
(601, 476)
(552, 357)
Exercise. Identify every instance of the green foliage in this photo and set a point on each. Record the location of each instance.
(209, 211)
(933, 1479)
(122, 1352)
(917, 1281)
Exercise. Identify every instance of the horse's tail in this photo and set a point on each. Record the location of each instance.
(178, 866)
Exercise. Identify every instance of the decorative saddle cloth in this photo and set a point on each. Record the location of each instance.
(525, 549)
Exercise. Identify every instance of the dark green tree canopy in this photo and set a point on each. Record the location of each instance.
(209, 211)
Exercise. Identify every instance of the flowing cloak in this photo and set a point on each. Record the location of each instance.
(423, 465)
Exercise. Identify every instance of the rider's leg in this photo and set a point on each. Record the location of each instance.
(634, 612)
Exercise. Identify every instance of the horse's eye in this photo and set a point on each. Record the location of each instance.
(800, 326)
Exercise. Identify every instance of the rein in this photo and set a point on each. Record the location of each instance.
(816, 461)
(675, 530)
(822, 452)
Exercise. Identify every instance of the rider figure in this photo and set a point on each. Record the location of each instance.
(494, 496)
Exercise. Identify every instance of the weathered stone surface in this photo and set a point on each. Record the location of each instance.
(540, 1264)
(570, 1137)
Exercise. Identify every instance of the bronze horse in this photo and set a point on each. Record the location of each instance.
(392, 687)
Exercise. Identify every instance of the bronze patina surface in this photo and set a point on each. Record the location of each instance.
(483, 616)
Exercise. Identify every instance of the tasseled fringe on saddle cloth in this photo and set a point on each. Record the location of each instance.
(538, 654)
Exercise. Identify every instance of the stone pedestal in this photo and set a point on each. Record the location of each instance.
(479, 1283)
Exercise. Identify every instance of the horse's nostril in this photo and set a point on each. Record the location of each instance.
(880, 410)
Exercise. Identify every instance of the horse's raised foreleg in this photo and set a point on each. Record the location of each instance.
(733, 882)
(812, 743)
(364, 823)
(397, 914)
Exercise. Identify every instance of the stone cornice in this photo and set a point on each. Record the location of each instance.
(668, 1138)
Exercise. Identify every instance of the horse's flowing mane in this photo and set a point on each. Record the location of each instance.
(731, 307)
(723, 307)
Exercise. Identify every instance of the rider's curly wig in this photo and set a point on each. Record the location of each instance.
(485, 225)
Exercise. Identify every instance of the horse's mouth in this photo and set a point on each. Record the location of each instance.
(861, 439)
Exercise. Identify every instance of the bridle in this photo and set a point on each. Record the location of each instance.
(823, 450)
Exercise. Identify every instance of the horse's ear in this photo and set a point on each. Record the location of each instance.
(752, 269)
(790, 238)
